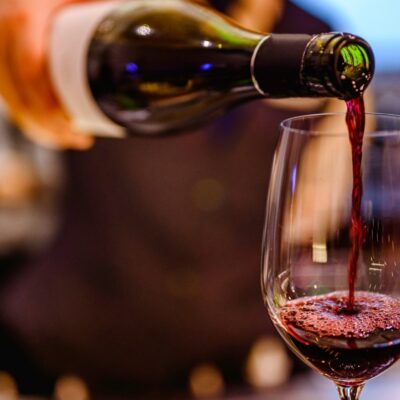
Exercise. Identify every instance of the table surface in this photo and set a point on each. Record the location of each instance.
(313, 386)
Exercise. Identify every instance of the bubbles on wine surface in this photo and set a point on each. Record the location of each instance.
(328, 316)
(347, 347)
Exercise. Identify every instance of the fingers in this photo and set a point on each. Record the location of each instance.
(54, 133)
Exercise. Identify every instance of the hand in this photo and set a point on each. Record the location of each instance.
(24, 80)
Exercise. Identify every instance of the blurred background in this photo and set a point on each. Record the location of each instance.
(66, 272)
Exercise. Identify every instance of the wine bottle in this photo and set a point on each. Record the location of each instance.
(160, 66)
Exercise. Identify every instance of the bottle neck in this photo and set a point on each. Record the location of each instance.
(276, 65)
(331, 64)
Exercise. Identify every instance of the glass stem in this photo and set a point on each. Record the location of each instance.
(349, 392)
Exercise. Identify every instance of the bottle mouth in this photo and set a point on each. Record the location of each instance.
(354, 65)
(348, 63)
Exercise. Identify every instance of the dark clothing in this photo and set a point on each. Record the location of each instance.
(156, 265)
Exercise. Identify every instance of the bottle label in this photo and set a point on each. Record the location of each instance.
(71, 34)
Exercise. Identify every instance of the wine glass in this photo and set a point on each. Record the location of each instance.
(307, 246)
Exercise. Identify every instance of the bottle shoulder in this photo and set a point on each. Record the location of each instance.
(174, 21)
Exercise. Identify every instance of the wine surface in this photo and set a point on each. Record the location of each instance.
(347, 347)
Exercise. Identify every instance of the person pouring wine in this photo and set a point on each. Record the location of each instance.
(117, 66)
(155, 266)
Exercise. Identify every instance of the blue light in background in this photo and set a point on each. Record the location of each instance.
(131, 68)
(206, 67)
(375, 21)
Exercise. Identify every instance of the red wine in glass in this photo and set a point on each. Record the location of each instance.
(349, 348)
(348, 336)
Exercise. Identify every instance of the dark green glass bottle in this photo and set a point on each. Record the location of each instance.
(161, 66)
